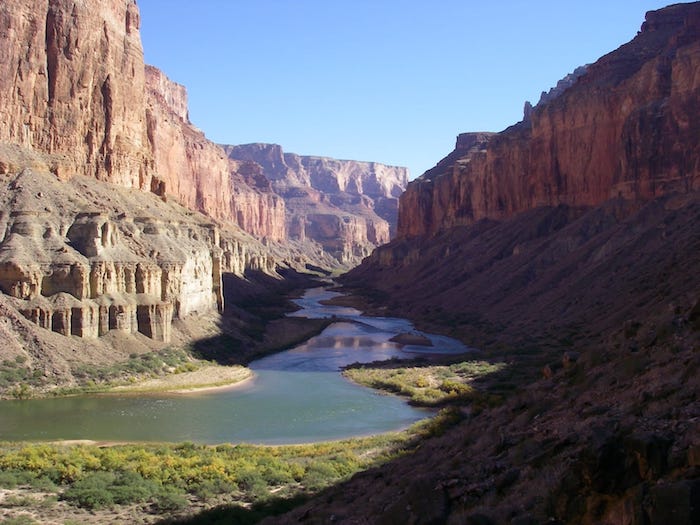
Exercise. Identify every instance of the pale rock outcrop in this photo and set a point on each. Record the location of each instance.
(86, 273)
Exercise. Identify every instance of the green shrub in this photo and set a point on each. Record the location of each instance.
(92, 491)
(131, 487)
(208, 489)
(251, 482)
(320, 474)
(101, 489)
(169, 500)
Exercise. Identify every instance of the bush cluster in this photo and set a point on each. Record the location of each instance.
(15, 375)
(167, 476)
(148, 364)
(432, 386)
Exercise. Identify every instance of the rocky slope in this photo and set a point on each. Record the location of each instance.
(564, 247)
(119, 218)
(627, 127)
(348, 207)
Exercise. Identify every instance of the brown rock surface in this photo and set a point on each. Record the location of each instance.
(117, 277)
(72, 88)
(348, 207)
(197, 172)
(77, 100)
(627, 127)
(568, 245)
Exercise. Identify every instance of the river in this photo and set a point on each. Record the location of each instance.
(296, 396)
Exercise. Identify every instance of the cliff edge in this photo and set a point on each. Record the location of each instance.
(627, 127)
(563, 248)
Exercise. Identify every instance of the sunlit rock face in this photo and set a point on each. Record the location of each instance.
(104, 179)
(197, 172)
(77, 100)
(348, 207)
(72, 88)
(86, 273)
(627, 127)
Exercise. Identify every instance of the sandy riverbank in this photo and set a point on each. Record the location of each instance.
(206, 378)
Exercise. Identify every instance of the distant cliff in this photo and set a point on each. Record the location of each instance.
(347, 206)
(627, 127)
(197, 172)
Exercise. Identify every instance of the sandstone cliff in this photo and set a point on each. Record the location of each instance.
(348, 207)
(197, 172)
(72, 89)
(119, 218)
(78, 100)
(627, 127)
(84, 258)
(564, 248)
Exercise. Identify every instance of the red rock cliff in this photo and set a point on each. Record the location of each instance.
(348, 207)
(198, 172)
(76, 99)
(617, 131)
(72, 87)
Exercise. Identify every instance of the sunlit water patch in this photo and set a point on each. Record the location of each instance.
(296, 396)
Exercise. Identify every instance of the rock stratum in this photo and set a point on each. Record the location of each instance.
(566, 248)
(348, 207)
(85, 122)
(120, 220)
(626, 128)
(78, 100)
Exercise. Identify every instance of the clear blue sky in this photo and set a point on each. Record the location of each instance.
(391, 81)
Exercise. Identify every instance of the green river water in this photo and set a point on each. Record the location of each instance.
(297, 396)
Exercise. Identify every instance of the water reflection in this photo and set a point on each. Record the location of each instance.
(296, 396)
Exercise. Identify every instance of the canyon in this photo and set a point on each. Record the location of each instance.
(120, 219)
(626, 128)
(348, 207)
(564, 248)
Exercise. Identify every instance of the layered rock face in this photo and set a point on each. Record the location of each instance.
(348, 207)
(72, 88)
(627, 127)
(565, 248)
(86, 273)
(77, 100)
(95, 152)
(197, 172)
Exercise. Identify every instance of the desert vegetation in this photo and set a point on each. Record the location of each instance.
(429, 385)
(166, 481)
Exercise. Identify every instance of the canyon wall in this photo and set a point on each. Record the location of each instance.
(566, 249)
(104, 178)
(197, 172)
(72, 88)
(77, 100)
(348, 207)
(85, 258)
(627, 127)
